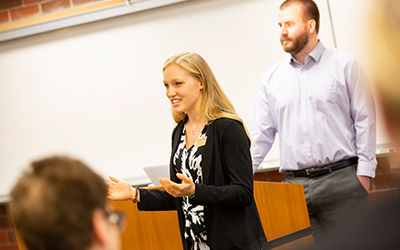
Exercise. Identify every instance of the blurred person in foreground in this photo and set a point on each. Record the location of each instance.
(60, 203)
(211, 178)
(379, 228)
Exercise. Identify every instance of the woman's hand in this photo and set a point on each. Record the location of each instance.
(121, 190)
(186, 188)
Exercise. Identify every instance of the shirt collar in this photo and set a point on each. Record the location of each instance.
(315, 54)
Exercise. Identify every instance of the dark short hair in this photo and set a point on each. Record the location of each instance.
(310, 7)
(53, 203)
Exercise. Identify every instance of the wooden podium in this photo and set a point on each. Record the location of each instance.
(282, 208)
(284, 214)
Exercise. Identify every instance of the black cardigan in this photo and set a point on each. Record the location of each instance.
(231, 216)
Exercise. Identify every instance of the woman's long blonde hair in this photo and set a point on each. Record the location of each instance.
(214, 104)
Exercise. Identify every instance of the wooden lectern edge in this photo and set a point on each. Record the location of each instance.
(282, 208)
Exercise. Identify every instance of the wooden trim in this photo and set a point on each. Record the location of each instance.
(77, 16)
(62, 14)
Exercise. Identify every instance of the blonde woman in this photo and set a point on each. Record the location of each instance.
(211, 182)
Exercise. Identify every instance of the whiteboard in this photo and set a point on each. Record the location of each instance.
(95, 91)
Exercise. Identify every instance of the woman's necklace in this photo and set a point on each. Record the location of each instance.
(194, 130)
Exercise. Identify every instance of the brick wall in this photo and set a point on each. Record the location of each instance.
(7, 235)
(16, 10)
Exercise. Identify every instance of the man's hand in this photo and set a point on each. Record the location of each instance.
(365, 181)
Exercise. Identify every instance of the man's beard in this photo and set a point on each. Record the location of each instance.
(298, 43)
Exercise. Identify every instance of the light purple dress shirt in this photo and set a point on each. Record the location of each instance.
(323, 112)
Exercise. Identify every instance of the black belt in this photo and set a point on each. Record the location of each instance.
(319, 171)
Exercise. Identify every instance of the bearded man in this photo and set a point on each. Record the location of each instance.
(319, 101)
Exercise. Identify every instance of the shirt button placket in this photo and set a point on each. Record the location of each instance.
(304, 114)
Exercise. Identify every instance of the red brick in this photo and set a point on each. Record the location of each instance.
(383, 165)
(24, 12)
(3, 237)
(5, 223)
(7, 4)
(4, 17)
(32, 1)
(55, 5)
(9, 247)
(81, 2)
(11, 236)
(3, 210)
(387, 181)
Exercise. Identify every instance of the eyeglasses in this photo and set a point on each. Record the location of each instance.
(117, 218)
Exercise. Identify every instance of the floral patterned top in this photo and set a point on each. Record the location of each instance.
(190, 161)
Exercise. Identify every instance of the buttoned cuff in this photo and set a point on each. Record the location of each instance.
(366, 169)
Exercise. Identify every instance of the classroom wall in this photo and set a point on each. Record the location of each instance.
(95, 91)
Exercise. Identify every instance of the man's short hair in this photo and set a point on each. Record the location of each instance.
(310, 7)
(53, 204)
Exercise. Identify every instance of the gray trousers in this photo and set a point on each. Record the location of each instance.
(331, 198)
